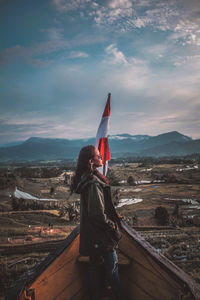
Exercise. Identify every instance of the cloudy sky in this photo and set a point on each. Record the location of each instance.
(60, 58)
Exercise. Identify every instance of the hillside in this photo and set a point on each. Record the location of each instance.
(167, 144)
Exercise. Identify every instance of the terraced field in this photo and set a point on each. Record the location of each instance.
(27, 236)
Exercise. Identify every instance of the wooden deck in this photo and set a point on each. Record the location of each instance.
(144, 273)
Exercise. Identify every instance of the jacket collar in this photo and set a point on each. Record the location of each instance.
(87, 179)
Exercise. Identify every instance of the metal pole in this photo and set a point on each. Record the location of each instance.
(105, 152)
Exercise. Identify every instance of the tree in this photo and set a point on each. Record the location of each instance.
(162, 215)
(72, 210)
(52, 190)
(131, 180)
(15, 204)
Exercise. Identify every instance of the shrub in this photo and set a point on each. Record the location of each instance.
(52, 190)
(15, 204)
(131, 180)
(162, 215)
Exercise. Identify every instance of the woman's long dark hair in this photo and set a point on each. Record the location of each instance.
(83, 166)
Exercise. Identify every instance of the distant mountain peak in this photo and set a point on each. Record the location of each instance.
(33, 140)
(123, 136)
(175, 134)
(121, 145)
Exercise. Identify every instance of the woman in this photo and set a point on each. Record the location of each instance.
(99, 233)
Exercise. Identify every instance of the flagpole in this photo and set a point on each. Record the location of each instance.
(105, 148)
(105, 153)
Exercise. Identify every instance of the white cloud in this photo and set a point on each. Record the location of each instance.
(120, 4)
(140, 22)
(27, 54)
(161, 101)
(37, 54)
(142, 3)
(127, 74)
(143, 101)
(94, 4)
(157, 78)
(128, 15)
(77, 54)
(163, 15)
(185, 59)
(37, 62)
(128, 79)
(158, 50)
(181, 18)
(117, 12)
(69, 5)
(115, 56)
(55, 34)
(188, 31)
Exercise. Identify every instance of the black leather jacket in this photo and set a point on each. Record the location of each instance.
(99, 221)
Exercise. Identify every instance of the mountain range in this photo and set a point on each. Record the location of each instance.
(121, 145)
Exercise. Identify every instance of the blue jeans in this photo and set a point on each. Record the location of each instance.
(103, 273)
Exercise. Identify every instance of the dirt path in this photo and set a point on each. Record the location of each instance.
(47, 246)
(53, 212)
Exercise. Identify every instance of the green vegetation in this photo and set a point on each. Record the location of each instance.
(162, 215)
(160, 183)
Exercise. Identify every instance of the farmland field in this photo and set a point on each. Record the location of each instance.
(29, 231)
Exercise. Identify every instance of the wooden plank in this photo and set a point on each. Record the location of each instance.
(147, 271)
(184, 280)
(153, 286)
(139, 255)
(29, 278)
(83, 259)
(74, 291)
(61, 273)
(80, 295)
(122, 259)
(160, 267)
(133, 291)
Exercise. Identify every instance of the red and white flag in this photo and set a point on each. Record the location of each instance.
(102, 133)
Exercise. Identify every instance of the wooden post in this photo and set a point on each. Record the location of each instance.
(105, 152)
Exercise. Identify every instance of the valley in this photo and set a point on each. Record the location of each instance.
(160, 200)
